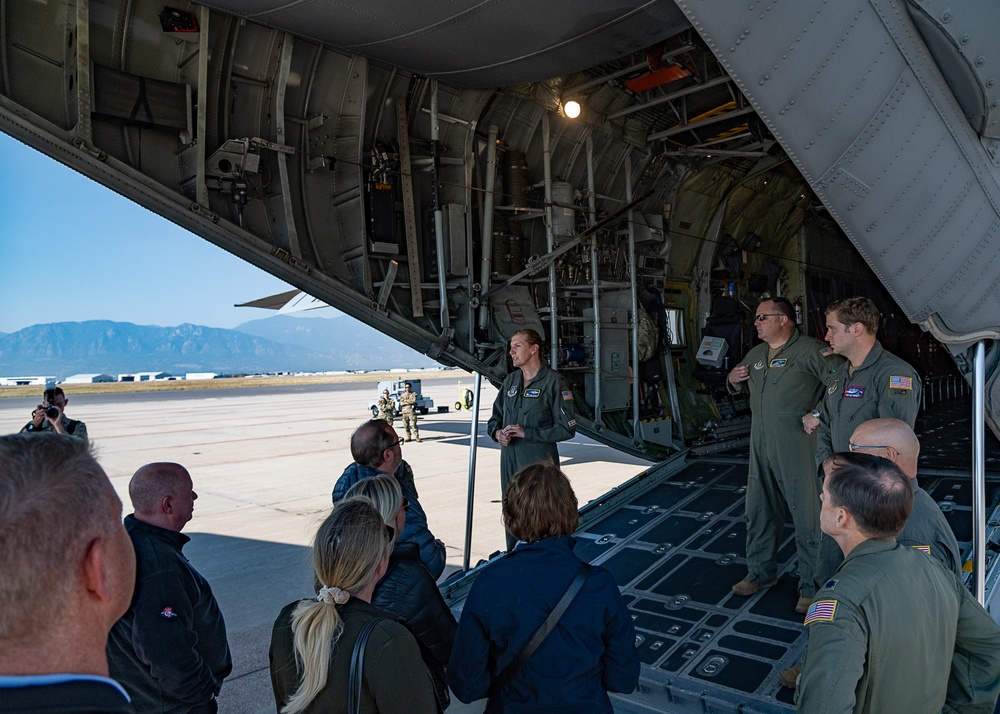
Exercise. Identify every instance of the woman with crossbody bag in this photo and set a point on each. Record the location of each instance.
(336, 652)
(541, 630)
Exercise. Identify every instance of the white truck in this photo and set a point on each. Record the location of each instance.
(396, 387)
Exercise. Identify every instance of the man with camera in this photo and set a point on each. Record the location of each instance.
(49, 416)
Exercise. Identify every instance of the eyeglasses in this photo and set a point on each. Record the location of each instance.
(764, 315)
(395, 442)
(406, 504)
(859, 447)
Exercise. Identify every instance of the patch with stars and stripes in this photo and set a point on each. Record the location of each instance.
(821, 611)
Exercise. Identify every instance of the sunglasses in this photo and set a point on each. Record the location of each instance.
(859, 447)
(764, 315)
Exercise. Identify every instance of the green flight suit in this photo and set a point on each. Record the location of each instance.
(782, 466)
(883, 386)
(892, 632)
(544, 407)
(927, 529)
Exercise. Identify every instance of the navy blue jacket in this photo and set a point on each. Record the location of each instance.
(61, 694)
(169, 651)
(415, 530)
(590, 652)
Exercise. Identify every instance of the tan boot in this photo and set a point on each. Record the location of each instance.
(790, 677)
(745, 588)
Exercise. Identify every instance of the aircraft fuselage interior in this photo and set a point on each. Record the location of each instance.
(626, 178)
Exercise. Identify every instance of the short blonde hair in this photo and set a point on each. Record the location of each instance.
(540, 503)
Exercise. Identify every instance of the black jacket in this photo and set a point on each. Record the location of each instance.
(169, 650)
(408, 591)
(63, 694)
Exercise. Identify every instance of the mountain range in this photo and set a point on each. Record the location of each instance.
(274, 344)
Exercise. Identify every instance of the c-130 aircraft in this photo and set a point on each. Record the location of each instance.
(612, 174)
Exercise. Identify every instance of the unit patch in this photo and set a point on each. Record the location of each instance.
(512, 391)
(532, 393)
(779, 362)
(900, 382)
(567, 395)
(759, 365)
(854, 392)
(821, 611)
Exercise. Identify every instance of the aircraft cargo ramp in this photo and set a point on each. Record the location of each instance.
(674, 539)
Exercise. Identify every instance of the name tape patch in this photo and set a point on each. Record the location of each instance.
(779, 362)
(532, 393)
(854, 392)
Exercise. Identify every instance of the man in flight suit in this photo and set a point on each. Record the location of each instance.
(785, 375)
(891, 631)
(408, 408)
(926, 529)
(871, 383)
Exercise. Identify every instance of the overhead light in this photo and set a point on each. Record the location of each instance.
(571, 108)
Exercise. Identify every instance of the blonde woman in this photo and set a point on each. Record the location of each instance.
(313, 640)
(407, 589)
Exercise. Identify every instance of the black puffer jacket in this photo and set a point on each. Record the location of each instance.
(408, 591)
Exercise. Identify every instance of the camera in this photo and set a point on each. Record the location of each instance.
(51, 411)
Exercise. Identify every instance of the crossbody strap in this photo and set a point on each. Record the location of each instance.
(357, 662)
(542, 632)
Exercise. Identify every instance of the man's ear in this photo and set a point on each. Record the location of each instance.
(167, 505)
(892, 453)
(95, 561)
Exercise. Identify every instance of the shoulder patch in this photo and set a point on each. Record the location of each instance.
(831, 584)
(826, 351)
(567, 395)
(923, 548)
(571, 422)
(821, 611)
(900, 382)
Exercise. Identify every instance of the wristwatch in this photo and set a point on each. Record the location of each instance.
(817, 413)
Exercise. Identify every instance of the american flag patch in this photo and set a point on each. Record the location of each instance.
(571, 422)
(821, 611)
(900, 382)
(924, 548)
(826, 351)
(567, 395)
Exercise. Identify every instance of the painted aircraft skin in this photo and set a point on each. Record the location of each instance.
(414, 166)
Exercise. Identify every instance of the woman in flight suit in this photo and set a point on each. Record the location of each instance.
(533, 410)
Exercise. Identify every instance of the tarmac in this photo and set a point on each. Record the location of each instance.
(264, 461)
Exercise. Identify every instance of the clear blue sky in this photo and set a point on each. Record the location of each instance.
(72, 250)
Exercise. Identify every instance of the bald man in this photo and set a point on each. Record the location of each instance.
(926, 529)
(170, 649)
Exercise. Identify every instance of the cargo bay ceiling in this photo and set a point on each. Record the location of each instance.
(413, 163)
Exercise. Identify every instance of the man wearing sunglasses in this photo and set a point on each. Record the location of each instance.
(785, 375)
(377, 448)
(871, 383)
